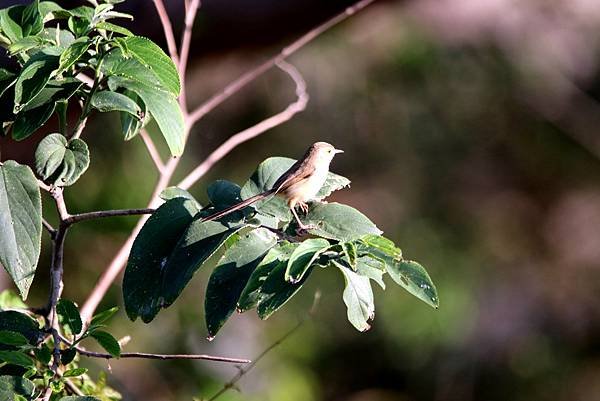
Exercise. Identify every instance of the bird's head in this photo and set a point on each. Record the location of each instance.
(324, 152)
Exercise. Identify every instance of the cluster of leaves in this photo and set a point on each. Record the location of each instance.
(261, 258)
(26, 353)
(52, 49)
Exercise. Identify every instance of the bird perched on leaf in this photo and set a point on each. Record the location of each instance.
(298, 185)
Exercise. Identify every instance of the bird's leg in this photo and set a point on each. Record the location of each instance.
(301, 226)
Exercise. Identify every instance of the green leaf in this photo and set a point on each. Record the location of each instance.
(101, 318)
(69, 315)
(131, 125)
(40, 109)
(11, 386)
(107, 26)
(20, 223)
(61, 38)
(153, 57)
(414, 279)
(51, 11)
(12, 338)
(105, 101)
(303, 257)
(28, 122)
(150, 252)
(43, 354)
(73, 53)
(358, 297)
(31, 20)
(176, 192)
(199, 242)
(381, 246)
(16, 358)
(108, 342)
(75, 372)
(229, 278)
(339, 222)
(33, 78)
(21, 323)
(26, 44)
(162, 106)
(264, 178)
(10, 300)
(371, 268)
(67, 355)
(61, 162)
(20, 21)
(223, 194)
(350, 253)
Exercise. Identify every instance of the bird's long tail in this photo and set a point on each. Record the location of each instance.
(239, 205)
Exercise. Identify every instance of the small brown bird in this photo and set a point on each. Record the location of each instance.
(298, 185)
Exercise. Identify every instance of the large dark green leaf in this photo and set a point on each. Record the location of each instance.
(69, 315)
(20, 21)
(358, 297)
(200, 241)
(231, 275)
(10, 386)
(20, 223)
(33, 78)
(152, 56)
(303, 257)
(22, 324)
(40, 109)
(222, 194)
(61, 162)
(8, 337)
(264, 178)
(16, 358)
(151, 250)
(267, 288)
(414, 279)
(339, 222)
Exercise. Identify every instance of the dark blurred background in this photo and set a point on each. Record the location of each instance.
(471, 131)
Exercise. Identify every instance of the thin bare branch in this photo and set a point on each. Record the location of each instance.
(168, 29)
(152, 151)
(145, 355)
(243, 370)
(76, 218)
(51, 230)
(251, 75)
(252, 132)
(190, 16)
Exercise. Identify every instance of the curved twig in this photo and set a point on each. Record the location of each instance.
(252, 132)
(145, 355)
(76, 218)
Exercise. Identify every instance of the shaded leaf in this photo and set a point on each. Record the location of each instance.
(73, 53)
(151, 250)
(14, 385)
(43, 354)
(229, 278)
(414, 279)
(108, 342)
(358, 297)
(339, 222)
(303, 257)
(200, 241)
(101, 318)
(107, 26)
(106, 101)
(28, 122)
(69, 315)
(16, 358)
(75, 372)
(21, 323)
(371, 268)
(131, 125)
(12, 338)
(33, 78)
(176, 192)
(20, 223)
(61, 162)
(251, 293)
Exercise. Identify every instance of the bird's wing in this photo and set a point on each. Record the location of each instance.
(299, 171)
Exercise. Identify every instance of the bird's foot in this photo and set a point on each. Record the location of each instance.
(303, 228)
(303, 206)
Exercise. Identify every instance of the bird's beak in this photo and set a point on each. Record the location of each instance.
(336, 151)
